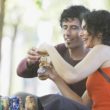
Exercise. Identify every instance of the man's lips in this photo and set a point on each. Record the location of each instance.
(68, 40)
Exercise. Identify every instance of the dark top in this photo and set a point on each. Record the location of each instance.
(26, 71)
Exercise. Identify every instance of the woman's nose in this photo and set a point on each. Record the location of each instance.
(81, 33)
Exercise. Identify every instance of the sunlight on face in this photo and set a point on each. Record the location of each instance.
(70, 30)
(86, 36)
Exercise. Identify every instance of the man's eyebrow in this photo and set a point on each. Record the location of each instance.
(75, 25)
(71, 25)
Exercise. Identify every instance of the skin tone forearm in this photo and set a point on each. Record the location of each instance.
(60, 64)
(64, 88)
(69, 93)
(66, 91)
(83, 69)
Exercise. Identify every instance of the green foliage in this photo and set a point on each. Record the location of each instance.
(38, 3)
(107, 3)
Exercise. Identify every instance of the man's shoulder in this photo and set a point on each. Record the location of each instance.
(61, 47)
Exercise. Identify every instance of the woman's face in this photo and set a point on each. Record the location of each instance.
(88, 39)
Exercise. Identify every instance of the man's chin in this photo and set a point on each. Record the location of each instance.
(68, 45)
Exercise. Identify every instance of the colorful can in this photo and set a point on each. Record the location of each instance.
(14, 103)
(1, 106)
(5, 102)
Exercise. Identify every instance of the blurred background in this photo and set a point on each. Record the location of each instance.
(25, 24)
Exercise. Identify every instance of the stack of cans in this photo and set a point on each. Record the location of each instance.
(10, 103)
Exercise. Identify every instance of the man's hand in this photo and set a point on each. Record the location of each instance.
(32, 56)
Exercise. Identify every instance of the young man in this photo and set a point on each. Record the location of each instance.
(73, 50)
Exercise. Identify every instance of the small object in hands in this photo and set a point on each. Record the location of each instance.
(44, 65)
(41, 73)
(31, 103)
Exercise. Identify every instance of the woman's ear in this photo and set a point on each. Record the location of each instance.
(100, 35)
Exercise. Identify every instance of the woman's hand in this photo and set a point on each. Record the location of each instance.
(52, 74)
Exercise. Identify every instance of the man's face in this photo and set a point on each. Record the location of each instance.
(71, 29)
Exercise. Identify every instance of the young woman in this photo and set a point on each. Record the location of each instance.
(96, 35)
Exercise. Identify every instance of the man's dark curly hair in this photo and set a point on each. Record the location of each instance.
(98, 22)
(72, 12)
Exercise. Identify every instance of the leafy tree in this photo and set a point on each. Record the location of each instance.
(38, 3)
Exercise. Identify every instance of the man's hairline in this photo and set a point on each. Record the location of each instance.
(72, 19)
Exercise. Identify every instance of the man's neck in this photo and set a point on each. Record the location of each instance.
(78, 53)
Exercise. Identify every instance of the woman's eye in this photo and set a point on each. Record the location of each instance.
(84, 27)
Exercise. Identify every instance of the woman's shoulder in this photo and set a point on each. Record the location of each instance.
(100, 53)
(101, 48)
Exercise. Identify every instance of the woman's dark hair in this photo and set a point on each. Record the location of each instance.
(98, 22)
(76, 11)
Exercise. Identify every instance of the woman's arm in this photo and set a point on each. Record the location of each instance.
(86, 100)
(65, 90)
(94, 59)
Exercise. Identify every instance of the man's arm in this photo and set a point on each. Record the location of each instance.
(28, 67)
(27, 71)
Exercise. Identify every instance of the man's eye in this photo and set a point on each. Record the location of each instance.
(75, 27)
(64, 27)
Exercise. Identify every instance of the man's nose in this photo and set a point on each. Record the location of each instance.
(68, 31)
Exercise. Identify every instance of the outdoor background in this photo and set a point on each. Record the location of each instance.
(25, 24)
